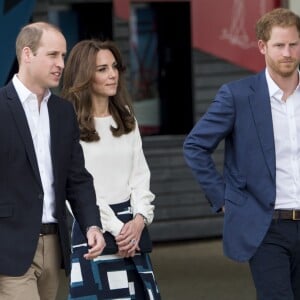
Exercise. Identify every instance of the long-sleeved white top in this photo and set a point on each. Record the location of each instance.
(120, 172)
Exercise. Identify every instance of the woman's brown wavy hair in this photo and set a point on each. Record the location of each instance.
(78, 75)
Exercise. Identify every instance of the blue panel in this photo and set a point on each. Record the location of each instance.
(67, 21)
(12, 18)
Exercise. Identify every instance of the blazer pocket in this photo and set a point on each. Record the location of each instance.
(6, 210)
(235, 196)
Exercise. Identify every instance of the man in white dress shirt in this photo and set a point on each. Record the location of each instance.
(259, 191)
(41, 165)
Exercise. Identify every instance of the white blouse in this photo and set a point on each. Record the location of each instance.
(120, 172)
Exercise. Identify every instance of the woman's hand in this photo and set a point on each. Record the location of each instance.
(129, 237)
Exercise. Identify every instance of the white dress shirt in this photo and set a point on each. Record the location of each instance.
(286, 126)
(38, 122)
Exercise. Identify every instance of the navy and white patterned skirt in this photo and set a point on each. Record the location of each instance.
(110, 276)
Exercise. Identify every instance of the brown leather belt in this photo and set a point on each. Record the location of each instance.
(287, 214)
(48, 228)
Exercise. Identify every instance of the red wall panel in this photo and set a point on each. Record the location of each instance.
(227, 29)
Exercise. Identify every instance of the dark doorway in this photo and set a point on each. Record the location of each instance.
(94, 20)
(174, 52)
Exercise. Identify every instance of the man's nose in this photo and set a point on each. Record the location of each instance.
(287, 51)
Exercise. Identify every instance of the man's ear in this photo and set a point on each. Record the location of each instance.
(262, 47)
(27, 53)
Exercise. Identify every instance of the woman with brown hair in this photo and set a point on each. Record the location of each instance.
(94, 82)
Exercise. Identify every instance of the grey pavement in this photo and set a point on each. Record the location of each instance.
(196, 270)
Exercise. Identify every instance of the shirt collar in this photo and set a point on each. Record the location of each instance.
(24, 93)
(274, 89)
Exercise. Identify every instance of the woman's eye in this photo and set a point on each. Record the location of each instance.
(101, 70)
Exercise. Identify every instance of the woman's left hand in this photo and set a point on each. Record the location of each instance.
(129, 237)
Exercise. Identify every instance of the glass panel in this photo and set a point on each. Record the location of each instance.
(144, 68)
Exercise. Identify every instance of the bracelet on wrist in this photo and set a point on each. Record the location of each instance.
(94, 227)
(144, 218)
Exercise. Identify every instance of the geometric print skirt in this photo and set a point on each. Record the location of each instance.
(110, 277)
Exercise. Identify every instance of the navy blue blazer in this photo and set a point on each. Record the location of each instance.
(240, 114)
(21, 191)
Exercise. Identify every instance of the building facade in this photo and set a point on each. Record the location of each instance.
(178, 54)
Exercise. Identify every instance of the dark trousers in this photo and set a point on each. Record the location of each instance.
(275, 266)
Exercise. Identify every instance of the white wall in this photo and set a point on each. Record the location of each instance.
(294, 5)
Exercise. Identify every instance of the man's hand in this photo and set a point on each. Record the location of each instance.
(95, 241)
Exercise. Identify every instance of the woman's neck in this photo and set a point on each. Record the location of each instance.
(100, 108)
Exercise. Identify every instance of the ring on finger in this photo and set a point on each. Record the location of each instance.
(133, 241)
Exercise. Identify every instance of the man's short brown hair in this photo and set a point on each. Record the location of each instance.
(30, 36)
(281, 17)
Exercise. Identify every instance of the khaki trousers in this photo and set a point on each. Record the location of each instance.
(41, 281)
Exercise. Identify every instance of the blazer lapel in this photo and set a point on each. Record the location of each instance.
(22, 126)
(261, 110)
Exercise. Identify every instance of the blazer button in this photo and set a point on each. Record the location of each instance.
(40, 196)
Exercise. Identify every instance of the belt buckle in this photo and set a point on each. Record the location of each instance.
(294, 216)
